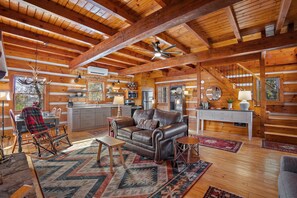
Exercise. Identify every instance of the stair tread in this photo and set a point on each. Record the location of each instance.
(280, 134)
(280, 126)
(282, 117)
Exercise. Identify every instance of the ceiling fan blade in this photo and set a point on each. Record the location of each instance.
(171, 52)
(165, 55)
(153, 57)
(167, 48)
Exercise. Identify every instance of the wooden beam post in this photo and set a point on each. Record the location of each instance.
(233, 22)
(263, 92)
(198, 69)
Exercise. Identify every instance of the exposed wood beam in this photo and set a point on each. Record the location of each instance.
(134, 55)
(59, 10)
(198, 83)
(114, 9)
(122, 59)
(284, 8)
(263, 91)
(155, 23)
(77, 18)
(111, 63)
(231, 60)
(197, 33)
(45, 39)
(30, 21)
(40, 45)
(243, 48)
(165, 38)
(233, 22)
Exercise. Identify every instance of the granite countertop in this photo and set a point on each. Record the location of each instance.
(225, 110)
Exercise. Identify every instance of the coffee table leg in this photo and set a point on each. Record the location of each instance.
(111, 158)
(121, 156)
(99, 151)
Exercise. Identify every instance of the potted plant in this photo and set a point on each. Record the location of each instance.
(230, 101)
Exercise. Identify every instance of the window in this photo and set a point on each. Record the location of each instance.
(162, 94)
(25, 95)
(95, 91)
(273, 89)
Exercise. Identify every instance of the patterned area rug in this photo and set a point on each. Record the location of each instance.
(221, 144)
(213, 192)
(76, 173)
(291, 148)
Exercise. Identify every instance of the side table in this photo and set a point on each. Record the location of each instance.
(187, 149)
(111, 143)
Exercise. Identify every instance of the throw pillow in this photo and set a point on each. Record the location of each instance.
(147, 124)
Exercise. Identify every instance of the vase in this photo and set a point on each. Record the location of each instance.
(229, 106)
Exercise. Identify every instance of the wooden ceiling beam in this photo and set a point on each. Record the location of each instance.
(45, 39)
(114, 9)
(122, 59)
(197, 33)
(243, 48)
(284, 8)
(111, 63)
(134, 55)
(77, 18)
(30, 21)
(233, 22)
(155, 23)
(57, 9)
(40, 45)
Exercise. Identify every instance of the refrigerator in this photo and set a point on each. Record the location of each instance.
(147, 97)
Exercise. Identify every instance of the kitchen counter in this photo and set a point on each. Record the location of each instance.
(93, 116)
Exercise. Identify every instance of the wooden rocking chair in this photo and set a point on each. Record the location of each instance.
(40, 132)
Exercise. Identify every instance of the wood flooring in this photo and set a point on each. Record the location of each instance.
(252, 172)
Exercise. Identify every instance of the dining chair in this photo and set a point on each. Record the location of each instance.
(40, 132)
(53, 111)
(15, 132)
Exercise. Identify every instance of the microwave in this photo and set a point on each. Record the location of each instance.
(132, 94)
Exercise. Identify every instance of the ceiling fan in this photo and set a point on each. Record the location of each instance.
(162, 53)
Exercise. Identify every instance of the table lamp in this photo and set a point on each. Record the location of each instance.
(244, 96)
(119, 100)
(4, 96)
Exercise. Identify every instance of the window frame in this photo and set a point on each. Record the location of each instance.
(45, 96)
(281, 95)
(103, 91)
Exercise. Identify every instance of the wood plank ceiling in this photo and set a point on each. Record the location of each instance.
(71, 29)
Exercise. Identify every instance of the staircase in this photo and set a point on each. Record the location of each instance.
(281, 127)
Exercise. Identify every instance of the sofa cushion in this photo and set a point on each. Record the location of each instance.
(143, 114)
(143, 136)
(166, 118)
(147, 124)
(287, 184)
(127, 131)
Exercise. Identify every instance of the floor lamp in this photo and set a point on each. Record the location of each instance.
(119, 100)
(4, 96)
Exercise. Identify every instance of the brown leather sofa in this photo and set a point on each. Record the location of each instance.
(156, 144)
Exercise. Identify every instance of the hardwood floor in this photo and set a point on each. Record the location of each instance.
(251, 172)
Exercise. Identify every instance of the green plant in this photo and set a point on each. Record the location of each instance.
(230, 100)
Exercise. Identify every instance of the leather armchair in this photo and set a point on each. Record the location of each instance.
(156, 144)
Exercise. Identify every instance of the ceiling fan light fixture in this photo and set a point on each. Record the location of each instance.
(158, 54)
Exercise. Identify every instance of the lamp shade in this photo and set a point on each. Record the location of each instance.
(4, 95)
(244, 95)
(119, 100)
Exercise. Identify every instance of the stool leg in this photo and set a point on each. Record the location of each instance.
(189, 153)
(121, 156)
(99, 151)
(111, 158)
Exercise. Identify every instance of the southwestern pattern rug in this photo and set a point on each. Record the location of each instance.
(291, 148)
(221, 144)
(76, 173)
(214, 192)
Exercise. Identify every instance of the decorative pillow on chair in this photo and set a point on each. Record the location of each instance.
(147, 124)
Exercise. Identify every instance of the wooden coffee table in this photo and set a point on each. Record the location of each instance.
(111, 143)
(187, 149)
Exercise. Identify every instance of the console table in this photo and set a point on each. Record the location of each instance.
(225, 116)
